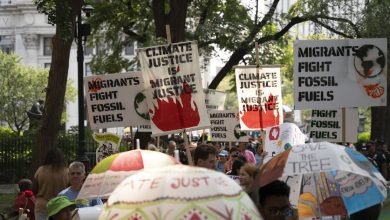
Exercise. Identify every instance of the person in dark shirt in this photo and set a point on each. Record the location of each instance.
(376, 153)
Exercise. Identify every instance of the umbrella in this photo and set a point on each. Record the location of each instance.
(326, 179)
(179, 192)
(109, 172)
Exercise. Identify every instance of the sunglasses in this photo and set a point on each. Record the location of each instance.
(75, 173)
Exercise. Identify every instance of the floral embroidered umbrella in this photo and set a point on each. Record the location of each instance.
(326, 179)
(111, 171)
(179, 192)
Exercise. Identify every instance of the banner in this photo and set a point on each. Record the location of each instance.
(225, 126)
(281, 138)
(115, 100)
(108, 145)
(215, 100)
(332, 74)
(173, 87)
(327, 125)
(259, 96)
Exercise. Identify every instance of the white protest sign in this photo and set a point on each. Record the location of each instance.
(225, 126)
(108, 145)
(332, 74)
(327, 125)
(115, 100)
(215, 100)
(259, 96)
(173, 87)
(281, 138)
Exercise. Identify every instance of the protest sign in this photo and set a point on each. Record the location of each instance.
(259, 96)
(108, 145)
(173, 87)
(332, 74)
(215, 100)
(225, 126)
(327, 125)
(115, 100)
(281, 138)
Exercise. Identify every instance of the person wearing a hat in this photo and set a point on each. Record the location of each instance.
(60, 208)
(221, 160)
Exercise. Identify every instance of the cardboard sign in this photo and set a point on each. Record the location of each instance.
(225, 126)
(108, 145)
(173, 87)
(281, 138)
(215, 100)
(327, 125)
(259, 96)
(116, 100)
(332, 74)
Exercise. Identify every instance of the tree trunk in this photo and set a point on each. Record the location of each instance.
(55, 96)
(378, 115)
(175, 17)
(66, 12)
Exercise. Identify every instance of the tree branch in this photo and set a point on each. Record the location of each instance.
(204, 13)
(331, 29)
(344, 20)
(248, 43)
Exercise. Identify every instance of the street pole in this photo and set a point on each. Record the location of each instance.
(81, 150)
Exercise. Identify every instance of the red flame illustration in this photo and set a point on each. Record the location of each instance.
(374, 90)
(173, 115)
(261, 118)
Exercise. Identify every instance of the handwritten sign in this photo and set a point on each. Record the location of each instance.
(173, 87)
(328, 72)
(282, 137)
(259, 96)
(108, 145)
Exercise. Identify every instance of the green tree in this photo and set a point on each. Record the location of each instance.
(228, 25)
(21, 87)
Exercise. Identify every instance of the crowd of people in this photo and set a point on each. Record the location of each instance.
(54, 189)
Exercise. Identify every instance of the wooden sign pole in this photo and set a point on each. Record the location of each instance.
(343, 124)
(185, 137)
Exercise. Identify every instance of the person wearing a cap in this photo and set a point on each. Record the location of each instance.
(60, 208)
(221, 160)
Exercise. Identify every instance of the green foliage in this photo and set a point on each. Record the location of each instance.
(59, 13)
(364, 137)
(21, 87)
(47, 7)
(231, 97)
(7, 132)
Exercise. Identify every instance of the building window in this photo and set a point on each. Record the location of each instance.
(47, 46)
(88, 51)
(129, 49)
(6, 44)
(47, 65)
(87, 70)
(100, 49)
